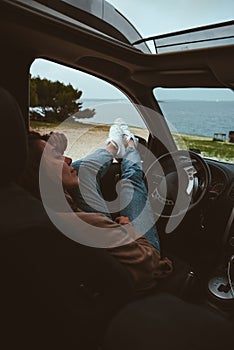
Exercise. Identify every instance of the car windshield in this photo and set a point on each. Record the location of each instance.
(200, 119)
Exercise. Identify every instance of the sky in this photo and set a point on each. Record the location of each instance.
(150, 17)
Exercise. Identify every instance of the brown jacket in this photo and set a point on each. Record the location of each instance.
(139, 257)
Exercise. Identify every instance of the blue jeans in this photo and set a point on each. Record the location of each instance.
(133, 199)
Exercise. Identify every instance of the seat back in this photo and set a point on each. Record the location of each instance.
(54, 293)
(13, 140)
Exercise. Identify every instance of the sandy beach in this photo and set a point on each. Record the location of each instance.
(84, 138)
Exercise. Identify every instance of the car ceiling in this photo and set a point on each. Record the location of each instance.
(37, 35)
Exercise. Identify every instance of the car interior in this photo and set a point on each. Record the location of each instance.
(56, 293)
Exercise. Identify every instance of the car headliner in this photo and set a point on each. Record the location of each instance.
(31, 33)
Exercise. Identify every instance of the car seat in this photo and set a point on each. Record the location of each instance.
(164, 321)
(54, 293)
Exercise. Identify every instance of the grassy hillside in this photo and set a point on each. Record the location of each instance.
(209, 148)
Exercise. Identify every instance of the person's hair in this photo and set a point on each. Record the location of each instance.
(29, 179)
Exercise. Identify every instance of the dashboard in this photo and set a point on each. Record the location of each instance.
(222, 179)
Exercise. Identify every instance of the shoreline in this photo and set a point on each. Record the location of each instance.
(85, 138)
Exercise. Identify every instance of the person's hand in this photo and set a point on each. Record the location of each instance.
(122, 220)
(59, 141)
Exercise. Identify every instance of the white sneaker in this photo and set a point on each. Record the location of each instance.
(127, 135)
(116, 138)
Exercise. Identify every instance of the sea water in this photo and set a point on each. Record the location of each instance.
(187, 117)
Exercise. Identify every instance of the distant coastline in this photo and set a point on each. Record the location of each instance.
(196, 117)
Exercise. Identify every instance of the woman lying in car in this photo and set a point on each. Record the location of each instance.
(131, 237)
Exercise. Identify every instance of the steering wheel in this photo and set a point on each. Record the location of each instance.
(177, 182)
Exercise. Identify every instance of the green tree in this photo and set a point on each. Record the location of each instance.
(53, 101)
(33, 93)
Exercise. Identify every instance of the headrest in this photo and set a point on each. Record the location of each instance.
(13, 138)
